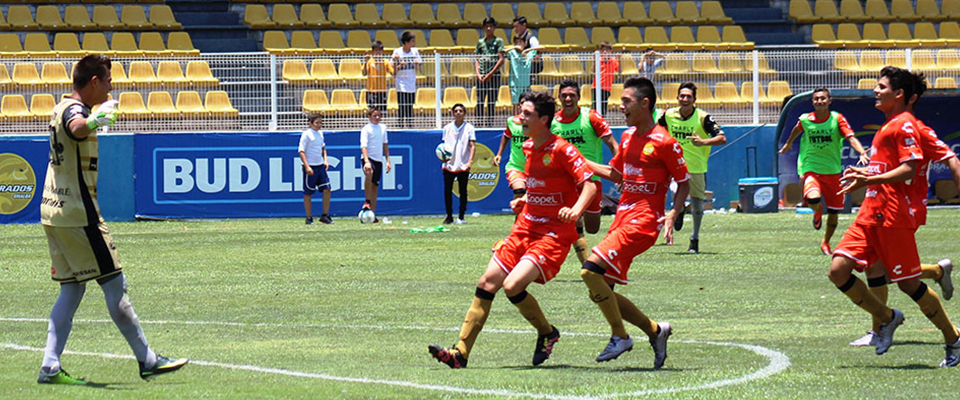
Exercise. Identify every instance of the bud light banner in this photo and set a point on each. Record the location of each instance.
(260, 175)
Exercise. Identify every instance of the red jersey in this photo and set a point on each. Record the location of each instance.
(647, 161)
(889, 204)
(553, 173)
(934, 150)
(609, 66)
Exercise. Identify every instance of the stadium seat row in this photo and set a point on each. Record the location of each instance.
(81, 1)
(159, 104)
(871, 61)
(141, 73)
(944, 82)
(576, 39)
(876, 11)
(122, 44)
(448, 15)
(874, 35)
(76, 17)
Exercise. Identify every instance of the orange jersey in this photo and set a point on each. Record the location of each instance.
(647, 161)
(889, 204)
(934, 150)
(554, 171)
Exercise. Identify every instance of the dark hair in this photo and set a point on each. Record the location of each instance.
(313, 117)
(524, 96)
(521, 19)
(94, 65)
(688, 85)
(377, 45)
(605, 45)
(644, 88)
(822, 89)
(903, 79)
(406, 37)
(921, 85)
(543, 102)
(459, 105)
(568, 83)
(372, 109)
(489, 21)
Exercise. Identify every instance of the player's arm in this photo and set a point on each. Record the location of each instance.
(849, 134)
(954, 164)
(498, 65)
(717, 137)
(797, 130)
(683, 189)
(367, 167)
(605, 171)
(611, 143)
(587, 192)
(80, 126)
(602, 129)
(856, 178)
(306, 167)
(326, 163)
(386, 155)
(503, 144)
(471, 145)
(366, 65)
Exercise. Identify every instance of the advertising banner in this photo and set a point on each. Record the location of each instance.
(23, 165)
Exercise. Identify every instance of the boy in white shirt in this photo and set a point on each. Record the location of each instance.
(373, 147)
(459, 138)
(313, 154)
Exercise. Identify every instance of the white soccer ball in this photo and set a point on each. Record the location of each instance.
(366, 216)
(443, 153)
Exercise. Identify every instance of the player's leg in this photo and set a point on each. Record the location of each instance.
(323, 184)
(374, 184)
(833, 217)
(841, 274)
(58, 330)
(581, 247)
(591, 216)
(326, 206)
(462, 179)
(698, 187)
(515, 287)
(877, 285)
(448, 195)
(121, 311)
(941, 273)
(308, 189)
(811, 194)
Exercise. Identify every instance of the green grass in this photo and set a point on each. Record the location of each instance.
(362, 301)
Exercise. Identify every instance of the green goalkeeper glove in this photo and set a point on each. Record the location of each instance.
(103, 115)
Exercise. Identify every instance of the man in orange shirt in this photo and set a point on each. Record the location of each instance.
(376, 69)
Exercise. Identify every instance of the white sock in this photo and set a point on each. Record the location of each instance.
(61, 321)
(115, 292)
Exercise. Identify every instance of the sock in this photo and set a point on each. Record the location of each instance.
(878, 286)
(474, 320)
(931, 271)
(121, 311)
(61, 321)
(696, 209)
(530, 309)
(633, 315)
(581, 247)
(603, 296)
(931, 306)
(859, 295)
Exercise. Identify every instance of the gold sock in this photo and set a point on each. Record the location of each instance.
(931, 271)
(603, 296)
(473, 324)
(582, 248)
(862, 297)
(931, 306)
(530, 309)
(633, 315)
(880, 292)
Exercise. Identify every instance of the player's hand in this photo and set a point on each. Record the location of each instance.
(309, 170)
(786, 147)
(566, 214)
(367, 168)
(517, 204)
(667, 221)
(388, 167)
(103, 115)
(695, 140)
(467, 167)
(864, 159)
(496, 160)
(853, 178)
(326, 166)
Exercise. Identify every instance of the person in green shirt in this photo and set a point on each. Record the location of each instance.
(696, 132)
(514, 170)
(819, 164)
(521, 61)
(487, 64)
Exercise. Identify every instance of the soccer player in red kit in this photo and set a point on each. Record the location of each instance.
(649, 157)
(541, 237)
(885, 225)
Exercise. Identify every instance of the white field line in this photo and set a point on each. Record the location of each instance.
(778, 361)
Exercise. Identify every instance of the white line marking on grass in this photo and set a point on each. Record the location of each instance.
(778, 361)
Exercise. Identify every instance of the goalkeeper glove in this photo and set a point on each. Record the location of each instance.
(103, 115)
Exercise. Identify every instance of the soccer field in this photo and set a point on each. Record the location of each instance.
(273, 309)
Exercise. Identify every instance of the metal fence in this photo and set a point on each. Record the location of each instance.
(268, 92)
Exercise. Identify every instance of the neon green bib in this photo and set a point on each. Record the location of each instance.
(680, 129)
(820, 146)
(517, 159)
(580, 133)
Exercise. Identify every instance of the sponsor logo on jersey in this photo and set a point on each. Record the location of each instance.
(648, 149)
(639, 187)
(18, 183)
(533, 183)
(533, 218)
(544, 199)
(632, 170)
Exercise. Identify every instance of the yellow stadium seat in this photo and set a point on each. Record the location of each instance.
(5, 81)
(218, 103)
(394, 15)
(823, 36)
(362, 99)
(950, 33)
(161, 16)
(331, 42)
(504, 100)
(629, 39)
(851, 11)
(570, 66)
(41, 106)
(198, 73)
(131, 105)
(421, 15)
(189, 104)
(179, 44)
(746, 93)
(351, 71)
(106, 18)
(709, 38)
(342, 102)
(141, 72)
(474, 11)
(48, 18)
(871, 61)
(462, 69)
(77, 18)
(902, 10)
(454, 95)
(846, 60)
(608, 13)
(340, 16)
(550, 40)
(358, 41)
(877, 11)
(324, 71)
(312, 16)
(848, 35)
(581, 14)
(705, 96)
(315, 101)
(867, 83)
(448, 15)
(874, 35)
(897, 58)
(286, 17)
(14, 108)
(688, 13)
(705, 63)
(675, 63)
(682, 38)
(826, 11)
(67, 45)
(949, 10)
(302, 42)
(295, 72)
(21, 18)
(161, 105)
(550, 67)
(899, 35)
(668, 94)
(628, 65)
(38, 45)
(923, 60)
(134, 18)
(616, 91)
(467, 39)
(53, 73)
(576, 38)
(426, 101)
(170, 72)
(95, 42)
(602, 34)
(661, 13)
(947, 60)
(428, 72)
(927, 10)
(586, 96)
(926, 35)
(945, 82)
(117, 75)
(392, 103)
(727, 95)
(388, 38)
(712, 11)
(10, 45)
(421, 39)
(367, 16)
(256, 17)
(555, 14)
(656, 37)
(151, 44)
(442, 42)
(730, 63)
(734, 38)
(532, 12)
(123, 44)
(503, 13)
(763, 64)
(801, 12)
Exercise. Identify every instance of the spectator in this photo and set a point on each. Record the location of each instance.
(406, 61)
(374, 151)
(376, 69)
(521, 60)
(609, 66)
(649, 62)
(489, 59)
(313, 155)
(520, 31)
(459, 137)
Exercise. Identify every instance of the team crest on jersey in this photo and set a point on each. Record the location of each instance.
(648, 149)
(547, 159)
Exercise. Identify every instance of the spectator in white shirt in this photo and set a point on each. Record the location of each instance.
(459, 137)
(406, 62)
(313, 154)
(373, 147)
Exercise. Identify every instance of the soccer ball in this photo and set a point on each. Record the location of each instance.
(443, 153)
(366, 216)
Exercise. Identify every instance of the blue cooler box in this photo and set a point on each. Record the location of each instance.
(759, 195)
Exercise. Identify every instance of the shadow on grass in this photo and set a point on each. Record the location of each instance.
(895, 367)
(597, 368)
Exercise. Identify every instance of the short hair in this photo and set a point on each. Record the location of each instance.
(822, 89)
(489, 21)
(406, 37)
(524, 96)
(377, 45)
(605, 45)
(644, 88)
(372, 109)
(903, 79)
(568, 83)
(521, 20)
(313, 117)
(459, 105)
(688, 85)
(94, 65)
(543, 102)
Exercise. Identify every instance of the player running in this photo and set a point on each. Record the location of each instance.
(819, 164)
(514, 136)
(648, 159)
(541, 237)
(885, 225)
(586, 129)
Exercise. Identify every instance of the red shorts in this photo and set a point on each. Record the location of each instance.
(628, 238)
(515, 175)
(546, 252)
(827, 185)
(594, 206)
(897, 248)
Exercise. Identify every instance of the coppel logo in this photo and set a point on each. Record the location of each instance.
(212, 175)
(763, 196)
